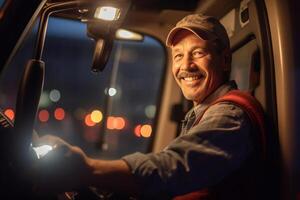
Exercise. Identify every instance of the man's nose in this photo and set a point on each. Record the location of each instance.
(187, 63)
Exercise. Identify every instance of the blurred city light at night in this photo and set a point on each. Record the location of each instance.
(112, 92)
(59, 113)
(146, 130)
(43, 115)
(115, 123)
(137, 130)
(54, 95)
(10, 113)
(88, 121)
(96, 116)
(150, 111)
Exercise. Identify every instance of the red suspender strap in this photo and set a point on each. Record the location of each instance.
(254, 111)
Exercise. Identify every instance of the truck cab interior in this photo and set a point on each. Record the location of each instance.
(107, 86)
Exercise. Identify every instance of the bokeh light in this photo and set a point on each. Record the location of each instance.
(137, 130)
(146, 130)
(88, 121)
(96, 116)
(118, 123)
(54, 95)
(150, 111)
(10, 113)
(112, 92)
(43, 115)
(59, 113)
(110, 123)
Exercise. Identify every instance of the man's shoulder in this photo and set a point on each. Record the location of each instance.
(223, 109)
(235, 105)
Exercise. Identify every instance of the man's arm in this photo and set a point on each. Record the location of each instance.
(202, 157)
(67, 168)
(113, 175)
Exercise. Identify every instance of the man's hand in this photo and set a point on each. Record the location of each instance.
(65, 168)
(68, 168)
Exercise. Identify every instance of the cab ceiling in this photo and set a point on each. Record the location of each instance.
(216, 8)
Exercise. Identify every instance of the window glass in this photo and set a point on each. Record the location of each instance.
(109, 114)
(242, 67)
(1, 3)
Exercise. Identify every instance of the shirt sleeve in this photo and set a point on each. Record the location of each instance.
(210, 151)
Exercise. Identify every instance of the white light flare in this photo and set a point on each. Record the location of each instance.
(41, 151)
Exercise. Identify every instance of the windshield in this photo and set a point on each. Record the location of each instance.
(109, 114)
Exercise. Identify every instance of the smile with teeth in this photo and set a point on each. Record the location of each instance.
(191, 78)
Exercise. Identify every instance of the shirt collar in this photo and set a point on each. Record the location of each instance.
(220, 91)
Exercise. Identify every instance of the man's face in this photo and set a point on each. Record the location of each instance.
(197, 66)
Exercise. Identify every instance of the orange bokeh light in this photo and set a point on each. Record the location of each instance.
(137, 130)
(10, 113)
(88, 120)
(115, 123)
(119, 123)
(146, 130)
(110, 123)
(43, 115)
(59, 113)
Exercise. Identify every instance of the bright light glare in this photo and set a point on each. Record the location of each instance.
(41, 151)
(128, 35)
(112, 92)
(107, 13)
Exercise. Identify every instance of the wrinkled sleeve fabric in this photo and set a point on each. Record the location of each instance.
(210, 151)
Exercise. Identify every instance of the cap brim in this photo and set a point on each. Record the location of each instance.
(202, 34)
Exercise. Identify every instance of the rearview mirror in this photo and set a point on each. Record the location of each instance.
(108, 17)
(104, 36)
(102, 52)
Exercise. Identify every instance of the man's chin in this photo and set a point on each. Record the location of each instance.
(193, 97)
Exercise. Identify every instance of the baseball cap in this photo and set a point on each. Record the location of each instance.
(205, 27)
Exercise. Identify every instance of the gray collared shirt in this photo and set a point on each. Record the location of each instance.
(203, 154)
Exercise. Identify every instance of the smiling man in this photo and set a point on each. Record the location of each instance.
(213, 151)
(201, 56)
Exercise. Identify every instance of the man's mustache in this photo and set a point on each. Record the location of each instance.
(185, 74)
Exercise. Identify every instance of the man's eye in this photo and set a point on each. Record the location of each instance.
(198, 54)
(177, 56)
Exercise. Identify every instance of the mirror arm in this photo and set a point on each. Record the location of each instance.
(46, 12)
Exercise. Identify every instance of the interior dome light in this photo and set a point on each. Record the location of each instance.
(107, 13)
